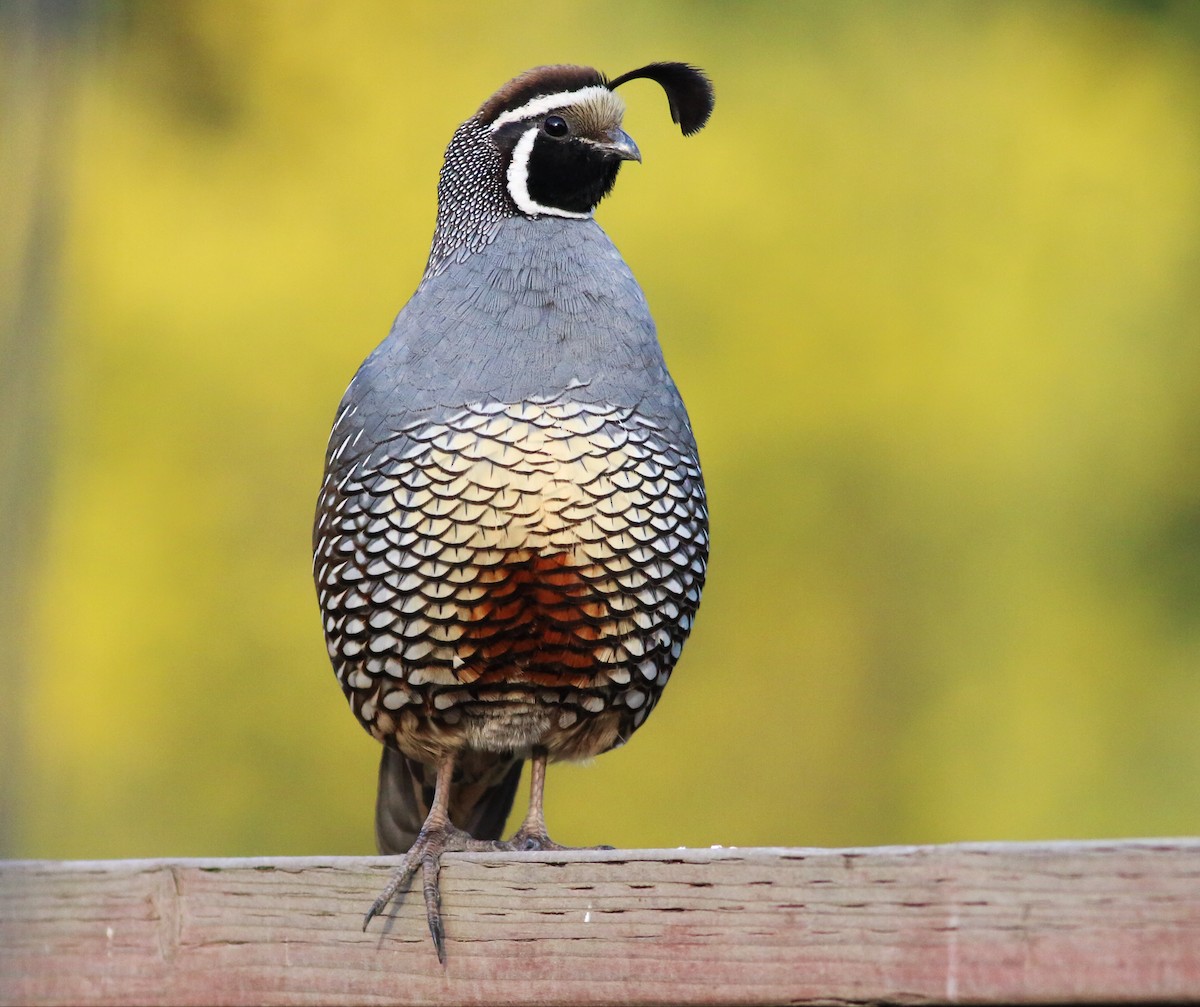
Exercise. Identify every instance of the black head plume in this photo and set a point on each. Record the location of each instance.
(689, 92)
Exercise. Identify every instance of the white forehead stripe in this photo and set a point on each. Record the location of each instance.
(549, 102)
(518, 181)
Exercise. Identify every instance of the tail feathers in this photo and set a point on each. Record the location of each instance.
(479, 802)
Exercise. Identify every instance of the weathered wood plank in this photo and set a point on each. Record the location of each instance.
(987, 923)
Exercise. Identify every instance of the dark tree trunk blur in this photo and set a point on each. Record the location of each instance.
(39, 60)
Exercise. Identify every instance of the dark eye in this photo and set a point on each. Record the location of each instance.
(556, 126)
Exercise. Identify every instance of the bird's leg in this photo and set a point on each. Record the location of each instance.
(438, 835)
(532, 833)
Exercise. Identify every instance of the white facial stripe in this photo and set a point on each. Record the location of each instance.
(549, 102)
(518, 181)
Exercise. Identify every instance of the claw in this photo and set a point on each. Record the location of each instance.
(529, 842)
(398, 880)
(433, 904)
(437, 836)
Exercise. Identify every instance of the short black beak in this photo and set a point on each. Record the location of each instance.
(621, 144)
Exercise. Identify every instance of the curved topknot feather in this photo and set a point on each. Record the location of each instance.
(689, 92)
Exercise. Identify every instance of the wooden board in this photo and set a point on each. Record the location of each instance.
(978, 923)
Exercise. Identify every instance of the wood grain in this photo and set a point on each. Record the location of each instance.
(977, 923)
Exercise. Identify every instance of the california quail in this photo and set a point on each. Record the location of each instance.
(512, 534)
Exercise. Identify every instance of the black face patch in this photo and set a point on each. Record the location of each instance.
(570, 174)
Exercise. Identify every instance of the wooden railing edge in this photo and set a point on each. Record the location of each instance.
(1092, 921)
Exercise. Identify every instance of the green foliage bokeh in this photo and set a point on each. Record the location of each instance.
(928, 283)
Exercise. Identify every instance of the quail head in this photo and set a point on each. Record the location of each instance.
(512, 535)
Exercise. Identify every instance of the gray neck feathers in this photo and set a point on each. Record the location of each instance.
(472, 197)
(547, 304)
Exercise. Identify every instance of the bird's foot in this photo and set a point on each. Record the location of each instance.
(527, 840)
(426, 854)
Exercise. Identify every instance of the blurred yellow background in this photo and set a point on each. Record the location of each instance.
(928, 283)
